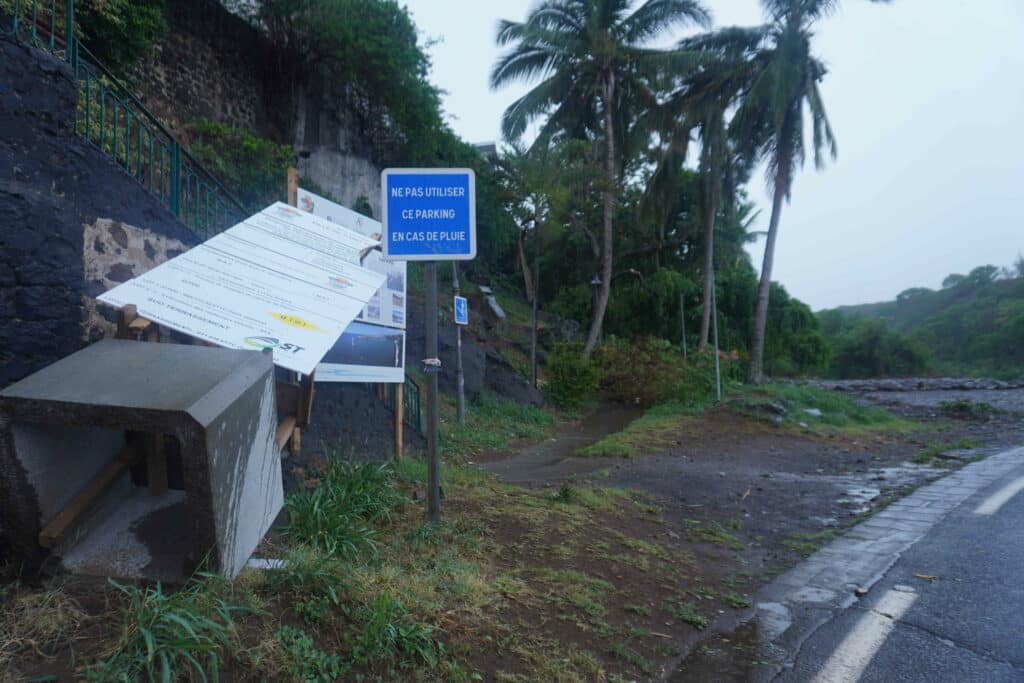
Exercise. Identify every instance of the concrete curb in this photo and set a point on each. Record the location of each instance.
(793, 606)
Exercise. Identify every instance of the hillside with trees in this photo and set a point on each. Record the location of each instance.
(972, 326)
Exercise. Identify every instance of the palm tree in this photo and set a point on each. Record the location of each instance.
(593, 67)
(770, 121)
(701, 103)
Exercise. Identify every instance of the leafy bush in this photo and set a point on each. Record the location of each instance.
(651, 371)
(254, 169)
(167, 635)
(874, 349)
(337, 515)
(572, 378)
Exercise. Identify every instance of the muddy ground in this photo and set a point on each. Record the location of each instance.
(779, 493)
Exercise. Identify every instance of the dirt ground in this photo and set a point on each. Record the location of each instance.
(761, 496)
(564, 568)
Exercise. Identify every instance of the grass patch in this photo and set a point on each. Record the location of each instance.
(659, 428)
(839, 412)
(631, 657)
(491, 423)
(338, 515)
(688, 614)
(169, 635)
(715, 533)
(934, 449)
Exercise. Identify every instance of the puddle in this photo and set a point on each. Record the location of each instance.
(553, 458)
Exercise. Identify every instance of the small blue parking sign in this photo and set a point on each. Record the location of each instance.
(461, 311)
(429, 214)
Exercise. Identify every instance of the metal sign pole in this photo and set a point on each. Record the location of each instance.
(433, 453)
(460, 378)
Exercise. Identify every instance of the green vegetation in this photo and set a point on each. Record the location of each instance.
(492, 423)
(688, 614)
(972, 326)
(935, 449)
(659, 428)
(337, 515)
(254, 169)
(168, 635)
(571, 377)
(838, 411)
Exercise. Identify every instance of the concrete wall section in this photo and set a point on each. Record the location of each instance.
(52, 184)
(245, 474)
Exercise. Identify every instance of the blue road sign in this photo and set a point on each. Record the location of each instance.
(461, 311)
(429, 214)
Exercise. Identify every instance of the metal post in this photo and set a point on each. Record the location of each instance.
(69, 31)
(460, 377)
(714, 326)
(175, 177)
(433, 453)
(682, 320)
(536, 300)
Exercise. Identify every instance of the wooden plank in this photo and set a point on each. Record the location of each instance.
(305, 407)
(296, 441)
(139, 325)
(284, 431)
(54, 532)
(293, 186)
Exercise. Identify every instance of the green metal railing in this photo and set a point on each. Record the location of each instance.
(410, 402)
(114, 120)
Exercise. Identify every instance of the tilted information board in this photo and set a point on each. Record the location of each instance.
(282, 279)
(372, 349)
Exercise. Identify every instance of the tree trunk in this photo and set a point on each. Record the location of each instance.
(527, 276)
(755, 375)
(536, 299)
(609, 209)
(711, 212)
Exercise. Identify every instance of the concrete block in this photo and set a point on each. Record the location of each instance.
(66, 424)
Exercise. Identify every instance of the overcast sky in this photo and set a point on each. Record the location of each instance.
(927, 101)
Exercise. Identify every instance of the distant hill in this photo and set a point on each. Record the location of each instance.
(973, 326)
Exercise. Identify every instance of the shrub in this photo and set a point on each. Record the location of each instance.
(650, 371)
(572, 378)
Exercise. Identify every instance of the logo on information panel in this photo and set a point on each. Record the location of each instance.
(271, 343)
(339, 282)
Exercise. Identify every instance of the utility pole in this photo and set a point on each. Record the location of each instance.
(460, 377)
(433, 453)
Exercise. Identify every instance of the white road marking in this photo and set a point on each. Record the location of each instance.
(851, 658)
(1000, 498)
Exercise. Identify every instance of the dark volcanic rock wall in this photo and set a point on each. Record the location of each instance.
(52, 185)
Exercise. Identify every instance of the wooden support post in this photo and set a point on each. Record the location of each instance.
(293, 186)
(126, 316)
(302, 411)
(399, 420)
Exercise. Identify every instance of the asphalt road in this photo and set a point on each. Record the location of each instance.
(965, 624)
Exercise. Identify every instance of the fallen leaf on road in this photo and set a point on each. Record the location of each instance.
(745, 495)
(926, 577)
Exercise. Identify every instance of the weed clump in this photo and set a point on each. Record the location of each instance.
(168, 635)
(339, 515)
(572, 378)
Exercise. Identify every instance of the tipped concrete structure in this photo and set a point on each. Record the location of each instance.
(142, 460)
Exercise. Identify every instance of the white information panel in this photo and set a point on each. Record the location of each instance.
(281, 279)
(372, 349)
(387, 307)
